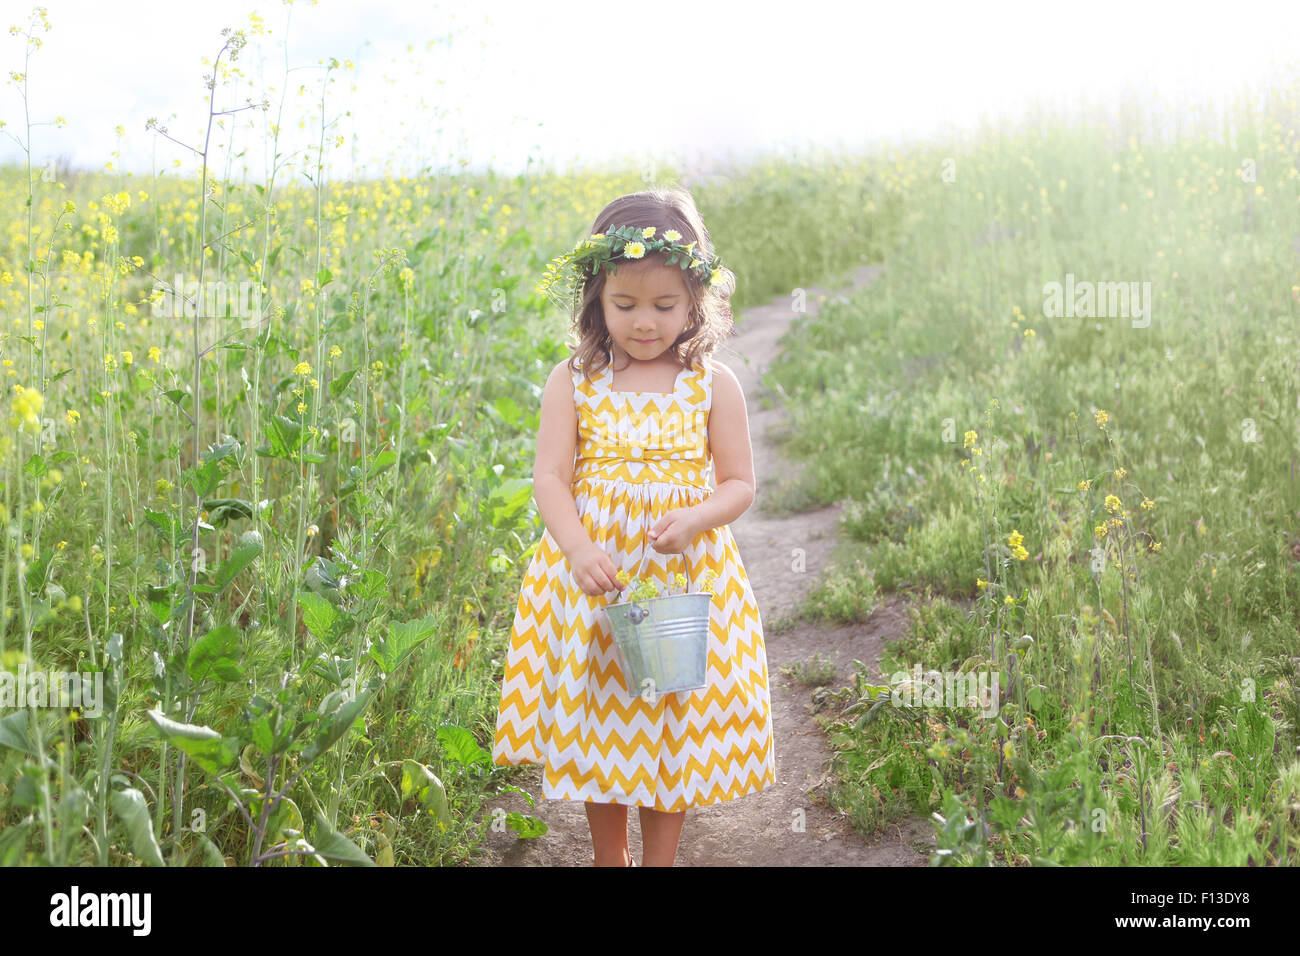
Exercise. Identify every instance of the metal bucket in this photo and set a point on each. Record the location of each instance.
(663, 641)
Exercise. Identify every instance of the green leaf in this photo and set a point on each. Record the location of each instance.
(421, 781)
(338, 385)
(338, 721)
(165, 524)
(527, 827)
(160, 602)
(13, 843)
(129, 805)
(461, 747)
(216, 654)
(285, 816)
(390, 652)
(249, 547)
(318, 614)
(205, 478)
(205, 746)
(223, 510)
(382, 462)
(509, 498)
(14, 733)
(284, 435)
(210, 852)
(330, 843)
(263, 735)
(511, 788)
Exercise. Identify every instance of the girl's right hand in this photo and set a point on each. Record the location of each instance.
(594, 571)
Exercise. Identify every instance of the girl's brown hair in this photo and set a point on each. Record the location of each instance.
(710, 319)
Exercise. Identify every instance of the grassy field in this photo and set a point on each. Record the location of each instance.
(1115, 491)
(281, 516)
(267, 481)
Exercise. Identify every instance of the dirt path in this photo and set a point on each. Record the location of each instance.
(760, 829)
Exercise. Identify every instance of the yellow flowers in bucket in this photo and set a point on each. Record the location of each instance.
(645, 588)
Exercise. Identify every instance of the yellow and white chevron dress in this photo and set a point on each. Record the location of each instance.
(564, 703)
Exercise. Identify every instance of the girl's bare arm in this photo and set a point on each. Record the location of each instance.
(733, 458)
(557, 443)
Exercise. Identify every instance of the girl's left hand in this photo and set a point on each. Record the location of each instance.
(674, 532)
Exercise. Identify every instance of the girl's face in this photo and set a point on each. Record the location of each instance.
(646, 307)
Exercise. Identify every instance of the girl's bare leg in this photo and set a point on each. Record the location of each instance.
(608, 822)
(660, 832)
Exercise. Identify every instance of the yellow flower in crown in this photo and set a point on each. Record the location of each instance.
(566, 275)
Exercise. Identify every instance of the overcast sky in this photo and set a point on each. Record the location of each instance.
(498, 83)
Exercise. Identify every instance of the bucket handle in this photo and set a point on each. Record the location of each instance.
(645, 560)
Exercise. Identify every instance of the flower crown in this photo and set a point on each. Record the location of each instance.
(567, 274)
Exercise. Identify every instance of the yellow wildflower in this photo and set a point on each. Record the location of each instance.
(27, 405)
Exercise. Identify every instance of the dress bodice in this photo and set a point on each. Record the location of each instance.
(640, 437)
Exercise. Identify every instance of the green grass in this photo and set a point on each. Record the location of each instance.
(1152, 719)
(346, 507)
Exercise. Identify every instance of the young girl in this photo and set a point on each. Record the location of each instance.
(630, 427)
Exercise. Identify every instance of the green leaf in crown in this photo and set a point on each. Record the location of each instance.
(566, 274)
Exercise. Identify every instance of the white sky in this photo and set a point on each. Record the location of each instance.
(546, 78)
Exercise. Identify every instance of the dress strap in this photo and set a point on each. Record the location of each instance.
(706, 380)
